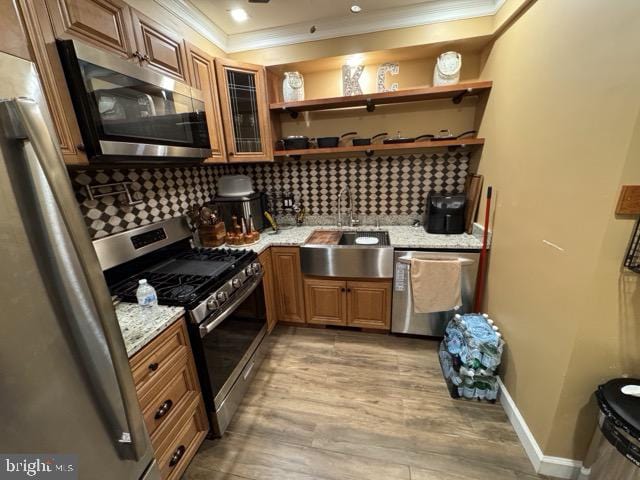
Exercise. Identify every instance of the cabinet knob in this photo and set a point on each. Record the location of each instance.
(177, 455)
(164, 409)
(343, 289)
(153, 366)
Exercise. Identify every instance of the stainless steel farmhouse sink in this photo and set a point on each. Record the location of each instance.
(341, 255)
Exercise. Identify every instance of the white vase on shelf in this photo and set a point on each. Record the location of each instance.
(447, 69)
(293, 87)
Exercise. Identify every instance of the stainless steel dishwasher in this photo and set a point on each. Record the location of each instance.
(403, 318)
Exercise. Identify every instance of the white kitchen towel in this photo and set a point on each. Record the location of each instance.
(436, 284)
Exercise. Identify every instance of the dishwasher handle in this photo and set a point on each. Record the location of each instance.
(463, 261)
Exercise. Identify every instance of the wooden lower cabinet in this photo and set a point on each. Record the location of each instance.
(182, 442)
(354, 303)
(325, 301)
(369, 304)
(170, 398)
(268, 285)
(288, 284)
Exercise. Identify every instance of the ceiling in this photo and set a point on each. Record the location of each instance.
(278, 13)
(287, 22)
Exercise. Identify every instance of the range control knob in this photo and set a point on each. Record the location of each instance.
(222, 297)
(212, 304)
(257, 268)
(249, 271)
(236, 283)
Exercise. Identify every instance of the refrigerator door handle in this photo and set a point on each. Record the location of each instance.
(79, 285)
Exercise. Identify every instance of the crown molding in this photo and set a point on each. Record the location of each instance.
(198, 21)
(400, 17)
(388, 19)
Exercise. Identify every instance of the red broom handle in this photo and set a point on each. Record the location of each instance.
(482, 265)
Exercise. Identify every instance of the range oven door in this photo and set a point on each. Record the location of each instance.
(126, 111)
(228, 354)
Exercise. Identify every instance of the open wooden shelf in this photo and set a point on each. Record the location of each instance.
(463, 142)
(455, 92)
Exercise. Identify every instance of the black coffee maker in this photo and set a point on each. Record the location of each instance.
(444, 213)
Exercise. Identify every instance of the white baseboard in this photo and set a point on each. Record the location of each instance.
(544, 464)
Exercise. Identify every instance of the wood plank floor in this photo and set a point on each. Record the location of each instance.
(341, 405)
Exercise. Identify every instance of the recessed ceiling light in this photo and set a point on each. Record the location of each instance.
(355, 60)
(239, 14)
(356, 8)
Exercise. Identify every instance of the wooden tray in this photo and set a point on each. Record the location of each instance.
(324, 237)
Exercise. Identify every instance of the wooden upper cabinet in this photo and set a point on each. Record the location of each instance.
(161, 49)
(288, 281)
(202, 71)
(369, 304)
(12, 35)
(245, 111)
(325, 301)
(104, 23)
(39, 30)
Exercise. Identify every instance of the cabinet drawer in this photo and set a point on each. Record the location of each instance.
(153, 361)
(169, 397)
(182, 442)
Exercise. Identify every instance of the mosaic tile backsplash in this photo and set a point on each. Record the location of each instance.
(382, 186)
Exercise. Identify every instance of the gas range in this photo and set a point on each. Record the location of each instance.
(221, 290)
(203, 281)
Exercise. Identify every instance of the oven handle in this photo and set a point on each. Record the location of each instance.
(205, 329)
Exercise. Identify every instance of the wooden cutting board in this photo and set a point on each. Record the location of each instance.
(473, 190)
(324, 237)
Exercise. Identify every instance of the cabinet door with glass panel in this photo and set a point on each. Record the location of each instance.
(245, 110)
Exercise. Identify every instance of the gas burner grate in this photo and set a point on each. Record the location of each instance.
(171, 288)
(213, 255)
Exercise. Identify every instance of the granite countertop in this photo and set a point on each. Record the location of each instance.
(399, 236)
(140, 325)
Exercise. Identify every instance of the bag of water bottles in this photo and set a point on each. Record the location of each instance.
(469, 355)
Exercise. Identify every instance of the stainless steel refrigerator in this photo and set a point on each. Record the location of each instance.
(65, 382)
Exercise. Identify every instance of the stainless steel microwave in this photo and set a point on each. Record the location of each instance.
(127, 113)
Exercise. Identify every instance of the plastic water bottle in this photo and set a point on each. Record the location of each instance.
(146, 294)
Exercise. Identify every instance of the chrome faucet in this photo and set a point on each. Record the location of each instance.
(353, 222)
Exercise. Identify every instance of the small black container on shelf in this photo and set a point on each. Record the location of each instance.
(632, 260)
